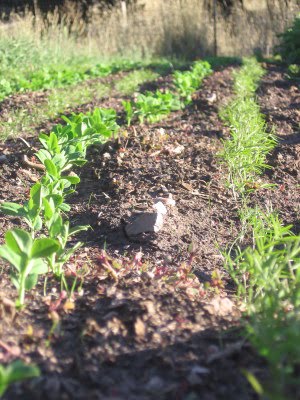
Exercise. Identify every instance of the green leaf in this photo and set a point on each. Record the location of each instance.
(79, 162)
(43, 155)
(71, 251)
(43, 138)
(51, 168)
(56, 224)
(253, 382)
(65, 207)
(74, 180)
(31, 281)
(7, 254)
(19, 241)
(13, 209)
(78, 228)
(49, 208)
(56, 198)
(53, 143)
(38, 266)
(15, 372)
(36, 194)
(15, 279)
(44, 248)
(38, 223)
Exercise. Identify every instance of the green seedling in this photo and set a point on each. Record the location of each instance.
(155, 106)
(67, 145)
(58, 163)
(31, 210)
(265, 263)
(60, 230)
(246, 79)
(289, 48)
(15, 372)
(49, 76)
(54, 181)
(27, 256)
(294, 70)
(245, 152)
(88, 129)
(267, 274)
(129, 111)
(188, 82)
(201, 69)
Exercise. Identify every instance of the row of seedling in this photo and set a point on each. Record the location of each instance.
(152, 107)
(244, 154)
(44, 246)
(267, 272)
(56, 75)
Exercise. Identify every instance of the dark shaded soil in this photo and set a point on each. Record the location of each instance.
(279, 98)
(148, 331)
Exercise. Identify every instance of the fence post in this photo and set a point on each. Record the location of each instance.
(124, 13)
(215, 27)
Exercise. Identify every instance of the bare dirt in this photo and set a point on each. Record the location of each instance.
(148, 330)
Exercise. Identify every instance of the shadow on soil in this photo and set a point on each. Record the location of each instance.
(102, 352)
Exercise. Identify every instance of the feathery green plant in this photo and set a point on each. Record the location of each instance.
(244, 154)
(267, 276)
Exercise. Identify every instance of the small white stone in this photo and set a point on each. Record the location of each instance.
(169, 201)
(145, 222)
(160, 208)
(212, 98)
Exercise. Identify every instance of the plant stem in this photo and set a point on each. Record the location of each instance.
(21, 298)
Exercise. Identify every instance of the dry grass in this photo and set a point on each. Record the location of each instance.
(155, 28)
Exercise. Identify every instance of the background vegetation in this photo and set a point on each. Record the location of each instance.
(189, 28)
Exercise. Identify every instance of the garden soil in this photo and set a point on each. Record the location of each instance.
(142, 327)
